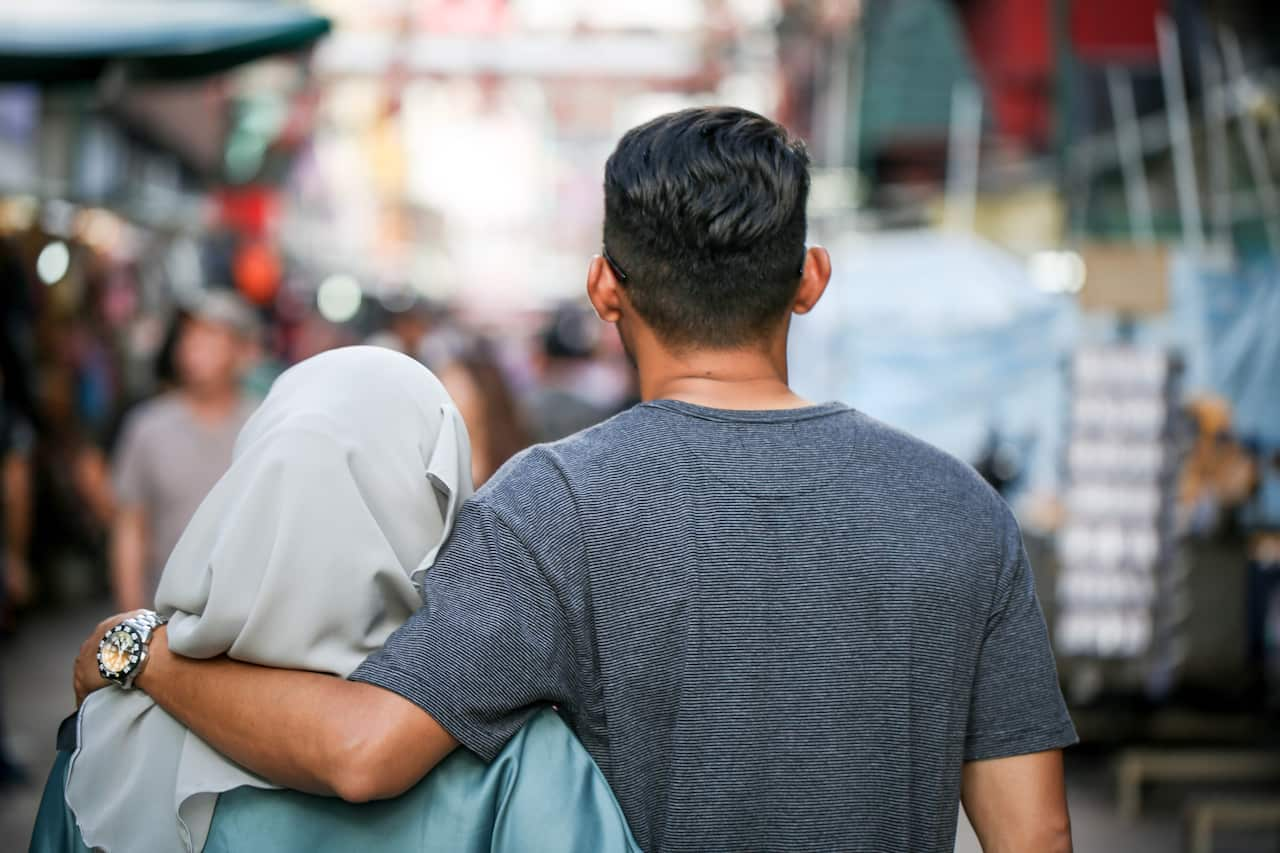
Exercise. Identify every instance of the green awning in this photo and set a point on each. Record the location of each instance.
(916, 53)
(76, 41)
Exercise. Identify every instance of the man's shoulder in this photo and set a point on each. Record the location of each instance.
(550, 473)
(579, 451)
(154, 413)
(911, 464)
(245, 408)
(168, 410)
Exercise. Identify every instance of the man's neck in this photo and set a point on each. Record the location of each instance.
(212, 405)
(745, 379)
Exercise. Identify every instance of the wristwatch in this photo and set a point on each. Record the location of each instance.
(123, 651)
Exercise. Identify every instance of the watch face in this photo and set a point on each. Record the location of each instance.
(118, 652)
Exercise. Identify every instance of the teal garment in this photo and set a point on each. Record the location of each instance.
(56, 830)
(542, 794)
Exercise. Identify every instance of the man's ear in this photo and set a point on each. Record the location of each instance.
(813, 282)
(604, 291)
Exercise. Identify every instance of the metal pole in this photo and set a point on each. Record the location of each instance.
(1251, 135)
(1215, 122)
(838, 104)
(1184, 156)
(1129, 145)
(963, 144)
(1080, 181)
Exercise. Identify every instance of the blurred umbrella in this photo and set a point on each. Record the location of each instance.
(78, 41)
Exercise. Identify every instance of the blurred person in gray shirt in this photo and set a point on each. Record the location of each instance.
(560, 403)
(175, 447)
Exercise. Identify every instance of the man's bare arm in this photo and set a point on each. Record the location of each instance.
(302, 730)
(1018, 803)
(129, 557)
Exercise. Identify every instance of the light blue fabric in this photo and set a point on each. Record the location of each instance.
(944, 336)
(1222, 321)
(543, 794)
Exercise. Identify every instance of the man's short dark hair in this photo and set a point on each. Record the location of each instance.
(705, 217)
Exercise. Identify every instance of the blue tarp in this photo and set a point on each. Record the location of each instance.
(945, 336)
(1227, 322)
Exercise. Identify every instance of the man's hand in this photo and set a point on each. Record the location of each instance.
(85, 677)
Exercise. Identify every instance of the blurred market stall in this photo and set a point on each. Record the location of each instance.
(83, 41)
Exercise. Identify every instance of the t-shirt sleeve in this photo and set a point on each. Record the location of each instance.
(492, 642)
(1017, 706)
(129, 471)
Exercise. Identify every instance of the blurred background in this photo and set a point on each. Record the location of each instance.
(1054, 226)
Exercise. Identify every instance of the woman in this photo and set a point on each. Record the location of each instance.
(306, 555)
(479, 386)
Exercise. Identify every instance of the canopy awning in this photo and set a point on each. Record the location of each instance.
(76, 41)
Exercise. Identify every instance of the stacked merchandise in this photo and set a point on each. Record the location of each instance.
(1118, 594)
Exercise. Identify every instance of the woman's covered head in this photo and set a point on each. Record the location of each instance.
(343, 484)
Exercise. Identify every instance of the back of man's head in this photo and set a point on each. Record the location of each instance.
(705, 224)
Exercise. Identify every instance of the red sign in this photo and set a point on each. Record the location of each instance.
(1110, 31)
(250, 210)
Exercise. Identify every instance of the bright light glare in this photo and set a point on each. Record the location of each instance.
(53, 262)
(1057, 272)
(338, 298)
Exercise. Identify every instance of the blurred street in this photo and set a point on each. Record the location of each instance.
(1053, 230)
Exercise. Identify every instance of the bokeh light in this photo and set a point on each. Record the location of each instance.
(339, 298)
(53, 263)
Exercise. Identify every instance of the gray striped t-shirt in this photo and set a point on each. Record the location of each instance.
(779, 630)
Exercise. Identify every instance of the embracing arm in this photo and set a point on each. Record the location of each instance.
(303, 730)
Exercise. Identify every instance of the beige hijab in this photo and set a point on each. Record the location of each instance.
(305, 555)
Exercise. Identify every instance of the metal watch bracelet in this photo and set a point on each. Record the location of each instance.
(144, 624)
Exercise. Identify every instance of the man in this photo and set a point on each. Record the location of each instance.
(774, 625)
(18, 420)
(16, 439)
(175, 447)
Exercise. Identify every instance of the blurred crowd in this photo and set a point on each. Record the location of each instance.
(100, 480)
